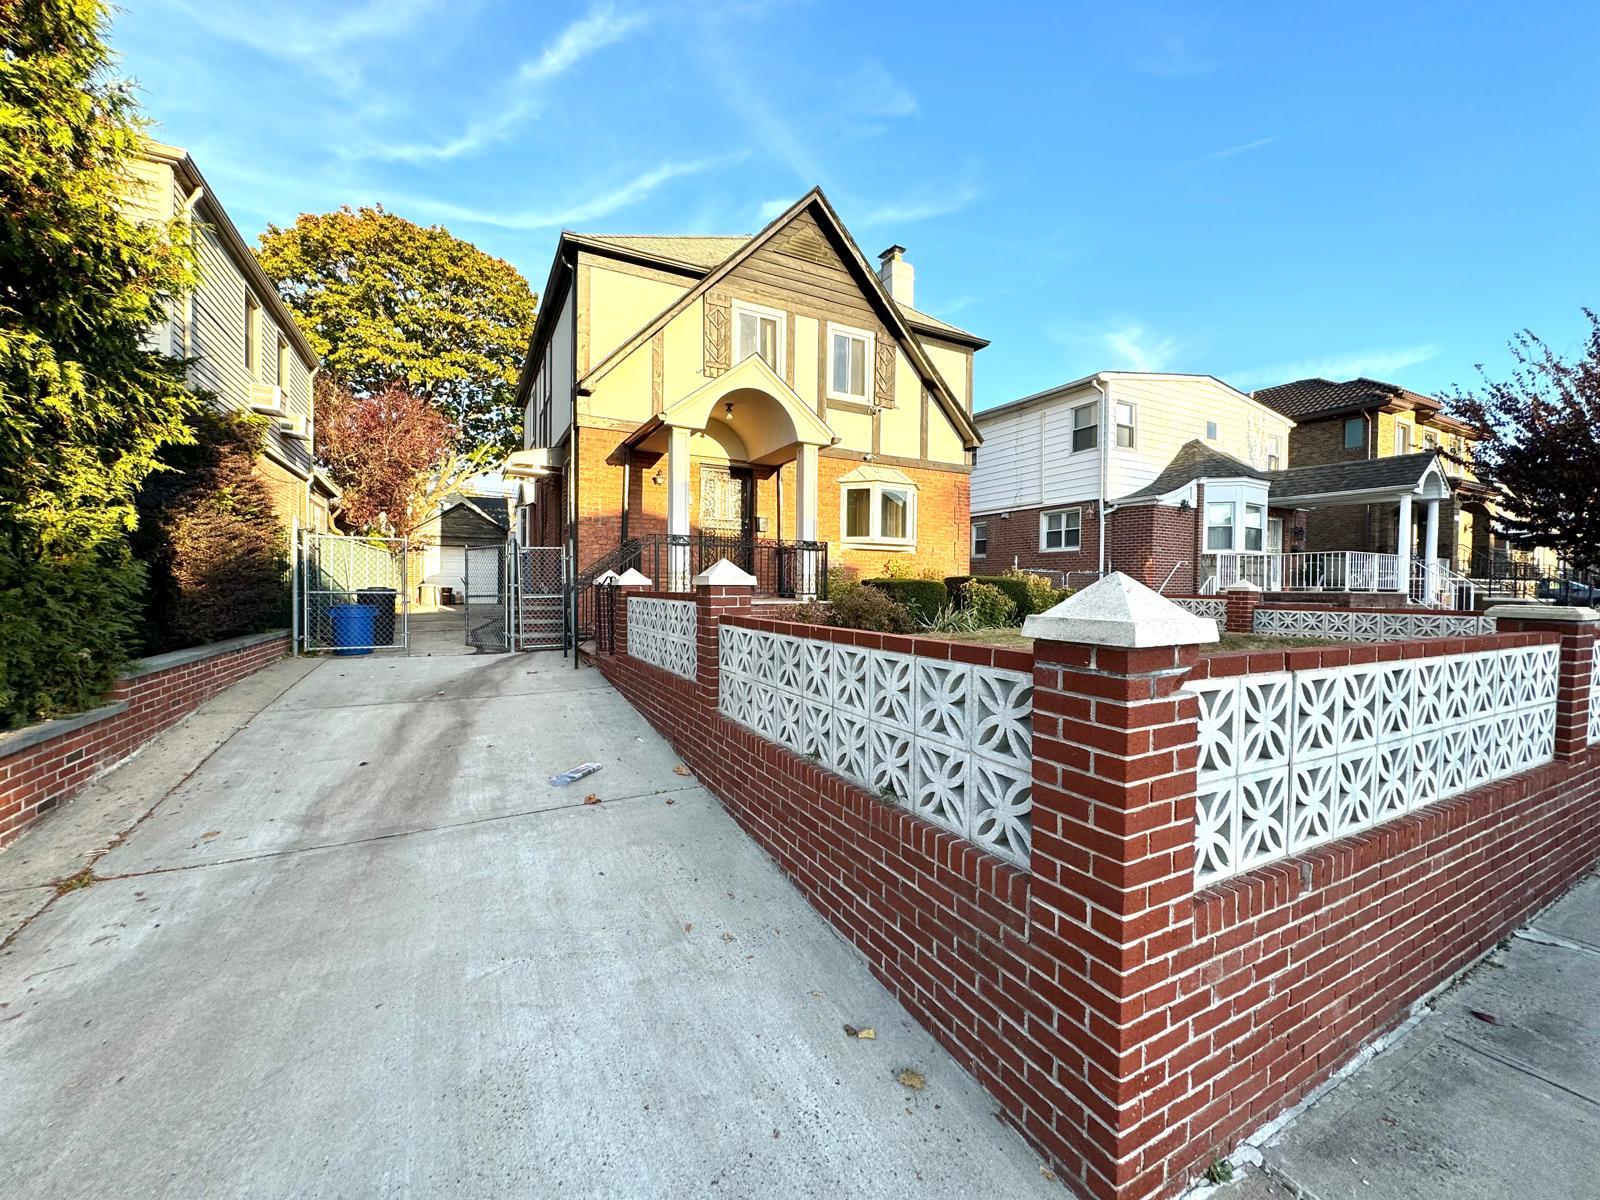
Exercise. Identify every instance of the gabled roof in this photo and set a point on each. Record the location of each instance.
(1397, 473)
(867, 279)
(1315, 397)
(1060, 390)
(1196, 460)
(702, 253)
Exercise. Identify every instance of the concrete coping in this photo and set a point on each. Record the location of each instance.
(632, 577)
(18, 740)
(1545, 612)
(194, 654)
(1121, 612)
(1243, 585)
(723, 573)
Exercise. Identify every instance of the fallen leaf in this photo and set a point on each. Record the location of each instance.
(211, 833)
(774, 1133)
(1486, 1018)
(728, 937)
(591, 798)
(671, 801)
(680, 769)
(688, 926)
(866, 1035)
(362, 763)
(915, 1080)
(1047, 1173)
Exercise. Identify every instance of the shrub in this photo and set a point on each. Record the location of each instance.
(953, 585)
(988, 606)
(923, 597)
(210, 537)
(1042, 594)
(951, 619)
(842, 578)
(872, 609)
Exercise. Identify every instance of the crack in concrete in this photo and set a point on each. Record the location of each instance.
(1540, 938)
(122, 837)
(446, 827)
(1521, 1068)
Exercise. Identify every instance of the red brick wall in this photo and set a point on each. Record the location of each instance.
(1145, 541)
(1131, 1028)
(41, 776)
(1014, 541)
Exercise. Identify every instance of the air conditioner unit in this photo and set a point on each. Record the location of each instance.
(531, 464)
(295, 427)
(267, 399)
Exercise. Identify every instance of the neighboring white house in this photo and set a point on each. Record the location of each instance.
(248, 351)
(1050, 461)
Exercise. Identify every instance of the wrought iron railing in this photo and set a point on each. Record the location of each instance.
(1435, 585)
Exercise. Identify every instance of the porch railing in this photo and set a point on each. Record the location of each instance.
(1331, 571)
(787, 569)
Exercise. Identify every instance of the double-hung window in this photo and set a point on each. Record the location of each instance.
(980, 539)
(758, 331)
(1274, 453)
(882, 513)
(1124, 413)
(1355, 433)
(1219, 525)
(1212, 432)
(1402, 438)
(1255, 527)
(849, 363)
(1061, 530)
(1085, 427)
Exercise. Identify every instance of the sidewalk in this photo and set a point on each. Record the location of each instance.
(1494, 1093)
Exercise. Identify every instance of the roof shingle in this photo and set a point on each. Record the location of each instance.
(1309, 397)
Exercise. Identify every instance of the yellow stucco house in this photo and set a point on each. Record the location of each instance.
(770, 399)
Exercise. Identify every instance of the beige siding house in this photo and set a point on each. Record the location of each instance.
(247, 350)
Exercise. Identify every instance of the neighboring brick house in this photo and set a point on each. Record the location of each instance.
(692, 398)
(1057, 464)
(247, 350)
(1366, 419)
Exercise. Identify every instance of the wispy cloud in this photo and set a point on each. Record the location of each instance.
(521, 97)
(1226, 152)
(579, 211)
(1125, 346)
(1375, 363)
(921, 206)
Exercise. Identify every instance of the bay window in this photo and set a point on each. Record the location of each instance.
(1219, 525)
(1255, 527)
(880, 513)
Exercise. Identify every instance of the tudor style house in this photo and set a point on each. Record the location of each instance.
(1191, 486)
(768, 399)
(247, 350)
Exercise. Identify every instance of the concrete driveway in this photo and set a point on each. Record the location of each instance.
(365, 949)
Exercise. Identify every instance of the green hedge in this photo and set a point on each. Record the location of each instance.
(1016, 590)
(924, 598)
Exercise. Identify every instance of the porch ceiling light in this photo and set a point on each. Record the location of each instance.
(727, 411)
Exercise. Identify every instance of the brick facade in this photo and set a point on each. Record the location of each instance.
(43, 765)
(1146, 541)
(1134, 1028)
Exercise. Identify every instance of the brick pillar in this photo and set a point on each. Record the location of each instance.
(1243, 599)
(1110, 908)
(720, 590)
(1578, 627)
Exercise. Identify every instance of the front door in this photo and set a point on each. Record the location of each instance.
(1274, 554)
(727, 516)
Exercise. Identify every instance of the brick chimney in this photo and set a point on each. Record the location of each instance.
(899, 277)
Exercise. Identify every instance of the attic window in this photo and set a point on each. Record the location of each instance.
(849, 352)
(758, 331)
(1211, 431)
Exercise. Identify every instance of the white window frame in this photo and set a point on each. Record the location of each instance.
(1213, 431)
(1259, 513)
(1402, 433)
(742, 308)
(975, 552)
(1232, 526)
(1044, 531)
(1094, 407)
(1117, 425)
(868, 362)
(874, 538)
(1274, 452)
(252, 336)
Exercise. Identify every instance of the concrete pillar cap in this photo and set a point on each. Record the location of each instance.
(1120, 611)
(606, 578)
(1545, 612)
(723, 573)
(1243, 585)
(632, 577)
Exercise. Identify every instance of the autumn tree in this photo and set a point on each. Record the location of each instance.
(393, 453)
(387, 302)
(1541, 445)
(85, 407)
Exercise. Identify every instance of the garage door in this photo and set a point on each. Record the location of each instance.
(446, 566)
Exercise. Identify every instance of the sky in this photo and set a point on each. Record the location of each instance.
(1256, 191)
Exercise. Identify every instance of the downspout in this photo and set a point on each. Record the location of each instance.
(1099, 384)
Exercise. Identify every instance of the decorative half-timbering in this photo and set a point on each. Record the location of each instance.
(717, 322)
(883, 374)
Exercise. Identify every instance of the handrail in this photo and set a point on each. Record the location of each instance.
(1182, 563)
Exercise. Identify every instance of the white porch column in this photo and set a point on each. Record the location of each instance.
(805, 519)
(1431, 550)
(1403, 543)
(677, 510)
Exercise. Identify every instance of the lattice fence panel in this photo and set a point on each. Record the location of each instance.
(1368, 626)
(1291, 760)
(1594, 695)
(662, 633)
(950, 741)
(1204, 606)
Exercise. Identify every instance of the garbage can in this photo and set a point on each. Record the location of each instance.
(352, 628)
(447, 597)
(384, 602)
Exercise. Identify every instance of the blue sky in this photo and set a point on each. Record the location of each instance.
(1258, 191)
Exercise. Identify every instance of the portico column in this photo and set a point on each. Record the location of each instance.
(1431, 549)
(1403, 538)
(677, 510)
(805, 520)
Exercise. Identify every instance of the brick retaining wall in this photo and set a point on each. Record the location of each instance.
(45, 764)
(1133, 1027)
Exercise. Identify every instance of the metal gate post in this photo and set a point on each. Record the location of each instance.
(294, 586)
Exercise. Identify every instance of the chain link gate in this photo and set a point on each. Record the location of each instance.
(536, 608)
(486, 626)
(350, 593)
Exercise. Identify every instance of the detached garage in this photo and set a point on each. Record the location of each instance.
(463, 521)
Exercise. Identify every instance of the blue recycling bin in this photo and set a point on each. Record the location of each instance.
(353, 626)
